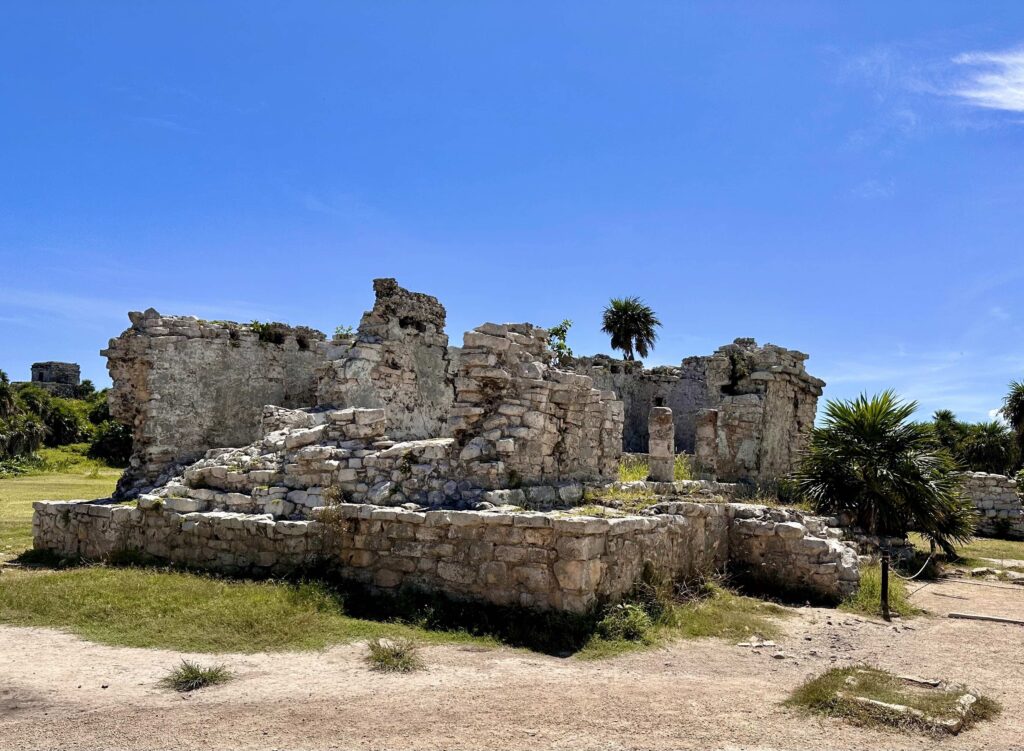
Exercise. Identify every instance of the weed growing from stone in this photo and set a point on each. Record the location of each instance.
(189, 676)
(394, 656)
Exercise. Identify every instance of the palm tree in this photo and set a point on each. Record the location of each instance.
(948, 430)
(631, 325)
(989, 447)
(1013, 411)
(868, 460)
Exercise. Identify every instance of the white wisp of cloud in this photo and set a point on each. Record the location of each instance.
(996, 80)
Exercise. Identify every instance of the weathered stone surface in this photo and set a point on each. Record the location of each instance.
(185, 385)
(997, 500)
(59, 378)
(518, 420)
(399, 360)
(661, 445)
(540, 560)
(745, 411)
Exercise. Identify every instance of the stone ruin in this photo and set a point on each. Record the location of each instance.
(745, 412)
(398, 460)
(998, 503)
(59, 378)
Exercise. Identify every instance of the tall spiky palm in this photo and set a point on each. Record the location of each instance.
(869, 460)
(989, 447)
(631, 325)
(1013, 411)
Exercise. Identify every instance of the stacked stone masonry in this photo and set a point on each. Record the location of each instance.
(997, 500)
(745, 411)
(536, 560)
(186, 385)
(519, 421)
(399, 360)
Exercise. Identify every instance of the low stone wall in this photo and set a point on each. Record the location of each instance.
(999, 506)
(544, 561)
(784, 548)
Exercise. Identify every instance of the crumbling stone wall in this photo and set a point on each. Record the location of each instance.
(399, 360)
(519, 421)
(681, 389)
(786, 549)
(185, 386)
(744, 411)
(997, 499)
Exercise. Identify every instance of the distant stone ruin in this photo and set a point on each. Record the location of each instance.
(59, 378)
(399, 460)
(998, 503)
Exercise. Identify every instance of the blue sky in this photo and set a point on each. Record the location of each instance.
(840, 178)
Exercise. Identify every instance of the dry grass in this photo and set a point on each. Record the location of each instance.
(831, 693)
(394, 656)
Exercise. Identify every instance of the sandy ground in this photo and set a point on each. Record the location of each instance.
(58, 691)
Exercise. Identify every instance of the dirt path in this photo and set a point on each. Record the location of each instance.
(696, 694)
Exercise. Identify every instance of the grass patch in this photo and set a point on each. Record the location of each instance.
(394, 656)
(628, 499)
(971, 554)
(832, 694)
(683, 468)
(868, 597)
(69, 459)
(633, 468)
(655, 614)
(189, 676)
(18, 493)
(193, 612)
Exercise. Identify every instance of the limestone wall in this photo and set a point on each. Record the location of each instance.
(1000, 513)
(399, 360)
(519, 421)
(529, 559)
(745, 411)
(185, 385)
(533, 560)
(783, 548)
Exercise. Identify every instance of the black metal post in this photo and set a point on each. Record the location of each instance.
(885, 583)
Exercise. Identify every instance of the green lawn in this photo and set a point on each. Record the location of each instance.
(18, 493)
(982, 547)
(138, 607)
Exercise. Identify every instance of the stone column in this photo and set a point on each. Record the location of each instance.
(661, 444)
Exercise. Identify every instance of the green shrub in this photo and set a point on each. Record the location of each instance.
(190, 676)
(868, 597)
(112, 443)
(394, 655)
(66, 422)
(625, 622)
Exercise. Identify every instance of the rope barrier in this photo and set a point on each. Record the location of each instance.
(911, 578)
